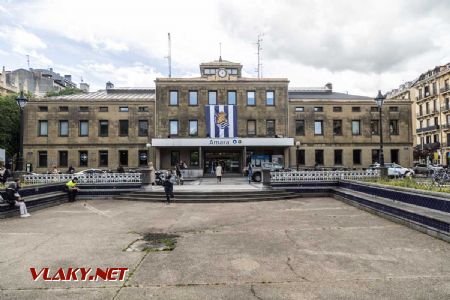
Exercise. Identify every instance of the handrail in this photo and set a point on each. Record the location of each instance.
(103, 178)
(302, 176)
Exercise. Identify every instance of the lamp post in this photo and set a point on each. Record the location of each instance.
(379, 99)
(149, 156)
(22, 102)
(297, 145)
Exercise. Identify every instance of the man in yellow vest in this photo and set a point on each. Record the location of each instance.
(72, 189)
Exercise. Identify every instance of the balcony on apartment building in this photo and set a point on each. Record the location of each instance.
(445, 89)
(427, 95)
(428, 113)
(426, 129)
(428, 146)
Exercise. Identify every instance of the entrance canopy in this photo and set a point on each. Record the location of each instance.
(222, 142)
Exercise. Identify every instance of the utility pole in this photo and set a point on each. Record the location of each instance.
(28, 61)
(259, 47)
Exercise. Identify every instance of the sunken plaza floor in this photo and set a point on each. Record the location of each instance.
(307, 248)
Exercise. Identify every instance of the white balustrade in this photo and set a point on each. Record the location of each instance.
(302, 176)
(103, 178)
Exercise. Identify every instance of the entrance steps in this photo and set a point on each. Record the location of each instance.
(209, 197)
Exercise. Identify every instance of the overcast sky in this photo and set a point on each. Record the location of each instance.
(359, 46)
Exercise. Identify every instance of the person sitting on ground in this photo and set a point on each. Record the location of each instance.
(120, 169)
(13, 195)
(71, 170)
(72, 189)
(55, 170)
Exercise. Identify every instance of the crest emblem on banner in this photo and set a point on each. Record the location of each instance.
(221, 119)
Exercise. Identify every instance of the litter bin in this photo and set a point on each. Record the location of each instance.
(266, 177)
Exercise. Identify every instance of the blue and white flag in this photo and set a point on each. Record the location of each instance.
(221, 121)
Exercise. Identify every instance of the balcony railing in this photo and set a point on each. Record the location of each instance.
(301, 176)
(445, 89)
(429, 128)
(111, 178)
(429, 146)
(445, 108)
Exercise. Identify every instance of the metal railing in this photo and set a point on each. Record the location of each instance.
(105, 178)
(299, 176)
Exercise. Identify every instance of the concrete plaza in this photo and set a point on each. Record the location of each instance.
(310, 248)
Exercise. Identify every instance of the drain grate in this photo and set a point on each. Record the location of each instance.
(153, 242)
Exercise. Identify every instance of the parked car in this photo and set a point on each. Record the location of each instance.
(427, 168)
(90, 171)
(257, 171)
(394, 170)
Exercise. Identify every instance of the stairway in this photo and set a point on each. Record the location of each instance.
(209, 197)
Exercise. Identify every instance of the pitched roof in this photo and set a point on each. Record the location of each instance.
(115, 94)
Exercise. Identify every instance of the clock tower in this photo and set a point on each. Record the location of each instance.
(221, 70)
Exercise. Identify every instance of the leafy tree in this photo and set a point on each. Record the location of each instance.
(9, 124)
(64, 92)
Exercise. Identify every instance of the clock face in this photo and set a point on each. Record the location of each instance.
(222, 72)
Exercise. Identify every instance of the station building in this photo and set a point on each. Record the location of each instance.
(217, 117)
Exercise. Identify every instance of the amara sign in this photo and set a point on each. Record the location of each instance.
(230, 142)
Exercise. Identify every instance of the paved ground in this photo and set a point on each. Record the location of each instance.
(298, 249)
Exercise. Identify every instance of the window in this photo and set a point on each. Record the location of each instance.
(299, 127)
(173, 98)
(42, 161)
(174, 158)
(193, 158)
(356, 109)
(63, 108)
(270, 127)
(337, 127)
(318, 127)
(173, 127)
(270, 98)
(251, 100)
(232, 98)
(123, 157)
(193, 98)
(103, 109)
(212, 97)
(232, 71)
(103, 128)
(375, 156)
(123, 127)
(123, 109)
(143, 128)
(43, 128)
(63, 160)
(421, 123)
(337, 108)
(299, 109)
(374, 109)
(393, 108)
(338, 156)
(393, 127)
(427, 108)
(301, 157)
(251, 127)
(103, 158)
(43, 108)
(421, 110)
(375, 127)
(83, 109)
(143, 109)
(356, 156)
(84, 128)
(193, 127)
(318, 109)
(318, 157)
(394, 156)
(63, 128)
(356, 127)
(143, 157)
(83, 158)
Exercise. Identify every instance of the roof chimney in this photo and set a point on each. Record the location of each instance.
(329, 86)
(109, 85)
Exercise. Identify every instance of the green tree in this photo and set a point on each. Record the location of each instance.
(64, 92)
(9, 124)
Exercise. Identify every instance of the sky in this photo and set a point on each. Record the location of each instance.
(359, 46)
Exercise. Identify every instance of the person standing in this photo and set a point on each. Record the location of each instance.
(14, 197)
(72, 189)
(250, 173)
(2, 175)
(120, 169)
(219, 173)
(71, 170)
(152, 174)
(168, 187)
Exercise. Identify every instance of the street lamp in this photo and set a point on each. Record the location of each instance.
(22, 102)
(297, 145)
(379, 99)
